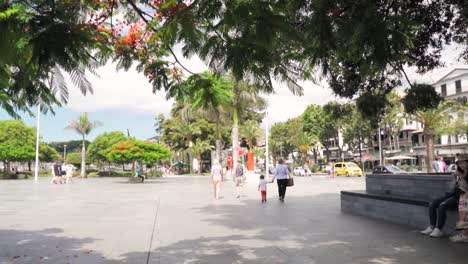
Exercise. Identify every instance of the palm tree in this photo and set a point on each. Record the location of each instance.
(186, 130)
(275, 148)
(198, 149)
(250, 131)
(246, 96)
(210, 92)
(83, 126)
(303, 141)
(435, 121)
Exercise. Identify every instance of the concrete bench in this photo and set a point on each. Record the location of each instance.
(400, 199)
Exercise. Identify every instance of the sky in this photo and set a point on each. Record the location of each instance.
(123, 100)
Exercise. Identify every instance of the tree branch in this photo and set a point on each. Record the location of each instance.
(141, 15)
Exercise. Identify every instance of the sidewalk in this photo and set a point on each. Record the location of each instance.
(176, 220)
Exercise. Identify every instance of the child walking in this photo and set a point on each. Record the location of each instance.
(262, 187)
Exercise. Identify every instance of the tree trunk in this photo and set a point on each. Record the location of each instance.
(235, 142)
(83, 160)
(429, 150)
(315, 155)
(218, 140)
(235, 125)
(6, 165)
(328, 153)
(200, 165)
(29, 165)
(360, 153)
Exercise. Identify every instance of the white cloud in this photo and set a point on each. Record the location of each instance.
(119, 90)
(283, 105)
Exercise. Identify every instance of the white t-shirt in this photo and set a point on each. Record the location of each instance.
(262, 185)
(216, 171)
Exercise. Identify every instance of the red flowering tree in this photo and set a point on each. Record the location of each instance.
(132, 150)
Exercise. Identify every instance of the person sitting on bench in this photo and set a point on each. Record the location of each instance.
(438, 211)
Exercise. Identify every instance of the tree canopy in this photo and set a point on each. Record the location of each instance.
(102, 145)
(360, 47)
(135, 150)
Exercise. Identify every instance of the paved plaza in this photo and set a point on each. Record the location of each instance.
(176, 220)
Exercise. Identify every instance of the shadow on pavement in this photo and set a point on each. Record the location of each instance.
(307, 229)
(48, 246)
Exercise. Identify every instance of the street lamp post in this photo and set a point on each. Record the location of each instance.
(190, 156)
(380, 147)
(266, 146)
(36, 166)
(64, 152)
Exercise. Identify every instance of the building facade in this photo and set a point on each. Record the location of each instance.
(411, 141)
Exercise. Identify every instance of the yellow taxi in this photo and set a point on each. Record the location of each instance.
(348, 169)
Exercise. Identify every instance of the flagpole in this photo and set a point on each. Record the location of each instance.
(36, 168)
(267, 174)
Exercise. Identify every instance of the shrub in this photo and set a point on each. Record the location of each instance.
(316, 168)
(93, 174)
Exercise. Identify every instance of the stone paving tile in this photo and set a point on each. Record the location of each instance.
(109, 221)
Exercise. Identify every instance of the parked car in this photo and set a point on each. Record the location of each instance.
(348, 169)
(388, 169)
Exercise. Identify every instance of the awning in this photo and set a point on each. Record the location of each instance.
(400, 157)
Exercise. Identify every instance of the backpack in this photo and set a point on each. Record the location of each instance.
(239, 170)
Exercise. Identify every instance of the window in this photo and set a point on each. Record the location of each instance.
(458, 87)
(443, 90)
(449, 140)
(338, 166)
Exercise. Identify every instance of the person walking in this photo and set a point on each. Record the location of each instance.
(239, 174)
(216, 177)
(442, 166)
(57, 173)
(281, 175)
(68, 173)
(262, 187)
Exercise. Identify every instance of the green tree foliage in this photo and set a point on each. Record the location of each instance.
(72, 145)
(39, 40)
(359, 46)
(282, 135)
(326, 122)
(198, 149)
(434, 121)
(421, 97)
(83, 126)
(17, 142)
(304, 142)
(102, 144)
(47, 153)
(159, 121)
(357, 130)
(74, 158)
(132, 150)
(209, 92)
(250, 131)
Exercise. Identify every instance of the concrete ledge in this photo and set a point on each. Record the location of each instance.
(390, 198)
(420, 187)
(394, 209)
